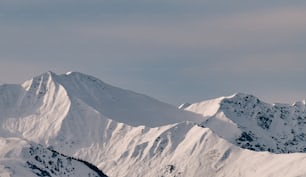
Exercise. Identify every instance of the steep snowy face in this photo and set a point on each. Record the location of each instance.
(121, 105)
(206, 108)
(19, 158)
(56, 102)
(29, 110)
(250, 123)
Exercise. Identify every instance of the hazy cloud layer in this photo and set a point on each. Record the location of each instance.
(173, 50)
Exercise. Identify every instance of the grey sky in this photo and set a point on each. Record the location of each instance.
(173, 50)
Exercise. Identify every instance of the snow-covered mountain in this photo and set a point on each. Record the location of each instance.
(46, 91)
(124, 133)
(246, 121)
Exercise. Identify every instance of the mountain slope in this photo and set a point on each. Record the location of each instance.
(255, 125)
(21, 158)
(183, 149)
(47, 101)
(119, 104)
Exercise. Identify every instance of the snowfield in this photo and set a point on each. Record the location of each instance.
(123, 133)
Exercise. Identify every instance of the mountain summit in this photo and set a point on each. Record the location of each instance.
(117, 104)
(245, 120)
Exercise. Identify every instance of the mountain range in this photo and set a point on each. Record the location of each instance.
(74, 124)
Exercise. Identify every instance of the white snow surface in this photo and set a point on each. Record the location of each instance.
(248, 122)
(20, 158)
(129, 134)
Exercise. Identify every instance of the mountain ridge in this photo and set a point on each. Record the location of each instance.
(82, 117)
(257, 125)
(19, 157)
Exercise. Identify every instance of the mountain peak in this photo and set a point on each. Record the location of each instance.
(118, 104)
(210, 107)
(256, 125)
(241, 94)
(49, 74)
(242, 98)
(61, 79)
(40, 81)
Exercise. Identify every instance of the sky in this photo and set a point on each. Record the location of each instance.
(174, 50)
